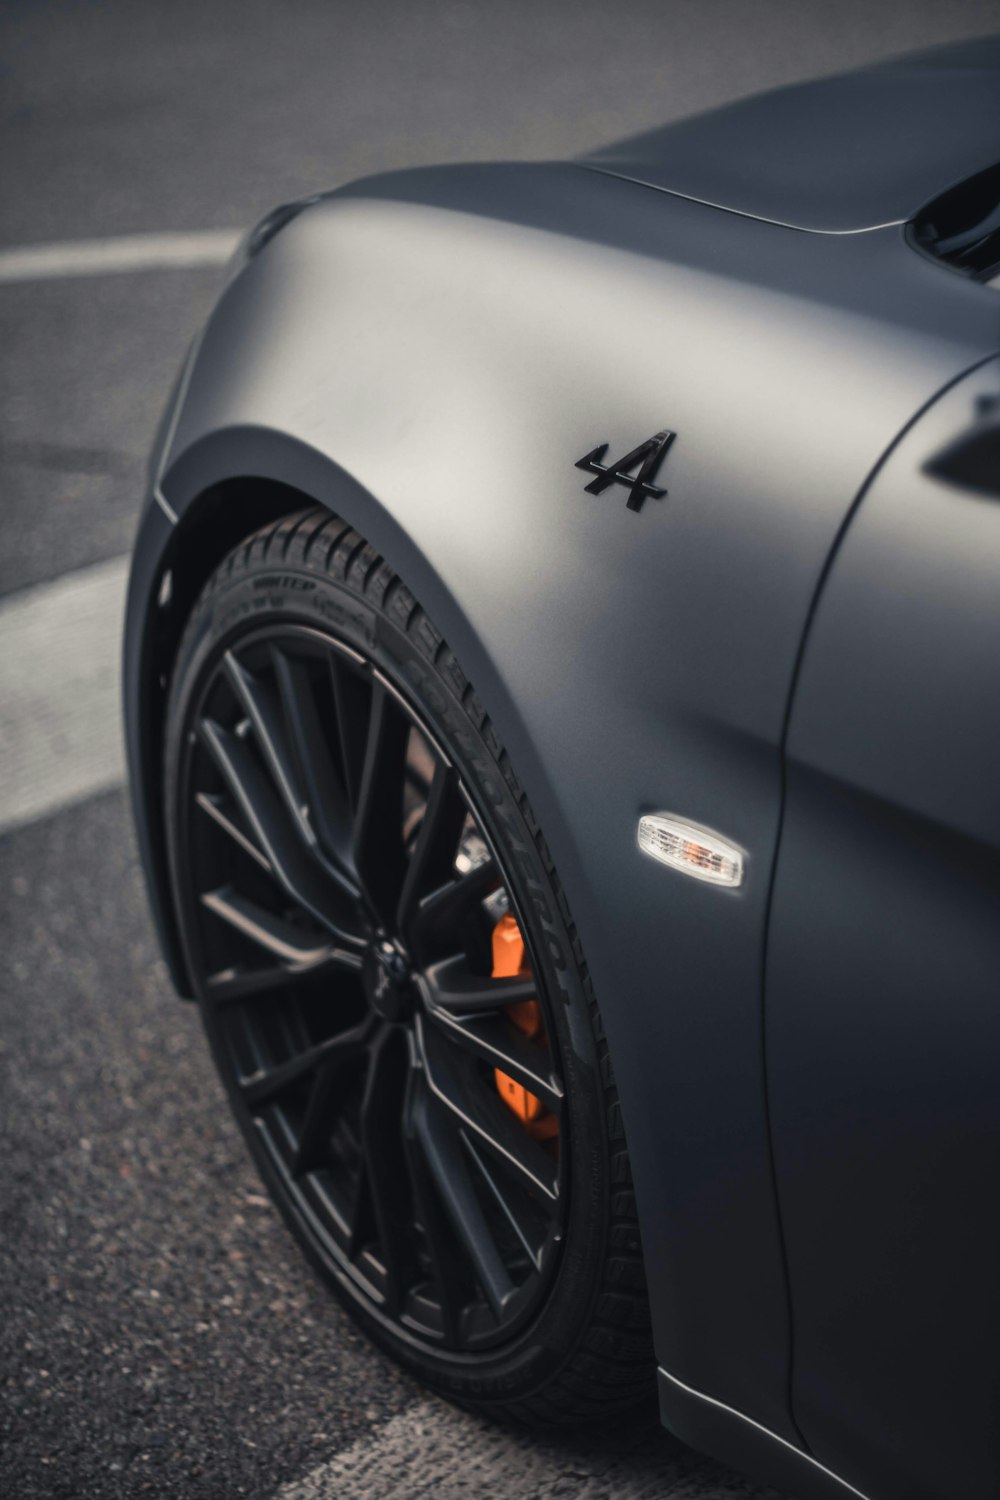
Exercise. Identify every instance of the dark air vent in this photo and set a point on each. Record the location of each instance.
(962, 227)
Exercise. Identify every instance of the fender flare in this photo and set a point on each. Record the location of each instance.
(196, 509)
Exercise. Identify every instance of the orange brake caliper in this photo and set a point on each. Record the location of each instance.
(509, 961)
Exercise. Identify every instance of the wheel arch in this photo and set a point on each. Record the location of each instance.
(173, 562)
(222, 491)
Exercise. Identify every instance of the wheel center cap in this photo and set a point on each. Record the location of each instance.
(388, 984)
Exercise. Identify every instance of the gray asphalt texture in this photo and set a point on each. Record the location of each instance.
(159, 1332)
(159, 1329)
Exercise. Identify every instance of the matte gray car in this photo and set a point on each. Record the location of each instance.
(522, 541)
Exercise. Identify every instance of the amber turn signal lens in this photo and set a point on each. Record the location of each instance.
(690, 849)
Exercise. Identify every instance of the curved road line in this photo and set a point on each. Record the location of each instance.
(126, 252)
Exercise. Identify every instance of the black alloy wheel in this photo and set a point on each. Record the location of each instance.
(340, 876)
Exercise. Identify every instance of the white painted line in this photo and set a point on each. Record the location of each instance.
(126, 252)
(433, 1452)
(60, 714)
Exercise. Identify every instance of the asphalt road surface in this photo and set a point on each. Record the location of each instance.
(159, 1332)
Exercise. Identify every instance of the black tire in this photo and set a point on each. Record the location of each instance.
(581, 1348)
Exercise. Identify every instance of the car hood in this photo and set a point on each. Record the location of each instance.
(837, 155)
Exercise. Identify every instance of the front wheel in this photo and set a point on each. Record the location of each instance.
(392, 985)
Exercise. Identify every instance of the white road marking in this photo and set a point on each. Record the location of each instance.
(60, 713)
(126, 252)
(434, 1451)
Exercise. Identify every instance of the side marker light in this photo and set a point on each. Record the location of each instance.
(691, 849)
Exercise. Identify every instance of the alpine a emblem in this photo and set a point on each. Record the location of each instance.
(648, 456)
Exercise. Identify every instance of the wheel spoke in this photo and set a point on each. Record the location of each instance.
(329, 812)
(497, 1041)
(482, 1113)
(448, 1267)
(433, 857)
(451, 985)
(265, 1083)
(295, 945)
(317, 1123)
(385, 1179)
(441, 1147)
(227, 986)
(223, 818)
(263, 708)
(529, 1231)
(444, 908)
(290, 861)
(352, 697)
(379, 856)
